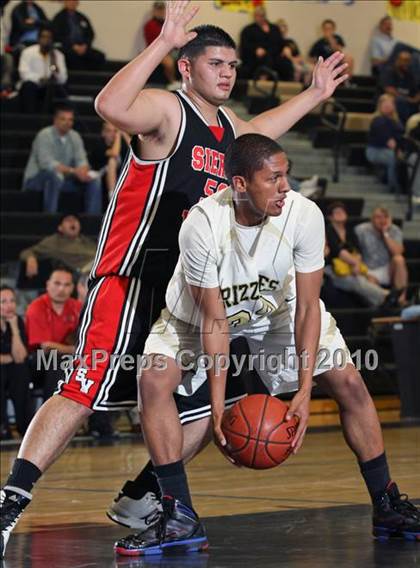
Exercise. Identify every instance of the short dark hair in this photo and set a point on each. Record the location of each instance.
(5, 287)
(65, 215)
(63, 107)
(328, 21)
(247, 154)
(207, 36)
(45, 28)
(62, 268)
(335, 205)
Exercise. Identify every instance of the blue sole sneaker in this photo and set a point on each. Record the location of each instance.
(178, 530)
(394, 516)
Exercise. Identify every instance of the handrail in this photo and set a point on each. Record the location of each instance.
(334, 116)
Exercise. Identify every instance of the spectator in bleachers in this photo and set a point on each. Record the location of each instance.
(51, 323)
(384, 138)
(344, 263)
(66, 246)
(400, 82)
(382, 248)
(14, 372)
(385, 49)
(328, 44)
(58, 162)
(152, 29)
(43, 72)
(107, 155)
(74, 32)
(262, 45)
(302, 70)
(382, 45)
(27, 20)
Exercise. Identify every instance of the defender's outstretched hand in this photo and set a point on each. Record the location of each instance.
(328, 74)
(176, 20)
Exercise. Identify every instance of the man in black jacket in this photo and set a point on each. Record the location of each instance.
(262, 45)
(75, 33)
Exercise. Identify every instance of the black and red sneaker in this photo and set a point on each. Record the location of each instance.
(394, 516)
(178, 530)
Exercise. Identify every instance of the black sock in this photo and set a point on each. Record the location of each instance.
(376, 475)
(145, 481)
(24, 475)
(173, 481)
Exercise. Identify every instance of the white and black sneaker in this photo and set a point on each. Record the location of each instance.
(13, 500)
(139, 514)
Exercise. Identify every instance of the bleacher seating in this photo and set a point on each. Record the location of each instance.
(23, 222)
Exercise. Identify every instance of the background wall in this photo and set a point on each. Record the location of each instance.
(119, 23)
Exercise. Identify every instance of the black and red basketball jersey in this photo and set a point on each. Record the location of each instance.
(139, 233)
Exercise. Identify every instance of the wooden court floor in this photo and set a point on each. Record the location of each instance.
(77, 490)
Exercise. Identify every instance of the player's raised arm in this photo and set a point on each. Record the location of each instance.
(274, 123)
(124, 101)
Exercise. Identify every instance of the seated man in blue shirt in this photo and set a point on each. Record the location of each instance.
(58, 162)
(384, 49)
(382, 44)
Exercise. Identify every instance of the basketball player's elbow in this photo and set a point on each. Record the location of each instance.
(107, 108)
(102, 105)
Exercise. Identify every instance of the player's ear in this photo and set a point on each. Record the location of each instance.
(239, 184)
(184, 67)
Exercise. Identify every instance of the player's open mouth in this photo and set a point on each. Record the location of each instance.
(224, 86)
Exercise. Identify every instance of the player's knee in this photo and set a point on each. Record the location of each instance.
(354, 390)
(153, 384)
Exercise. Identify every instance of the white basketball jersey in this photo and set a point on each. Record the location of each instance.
(256, 276)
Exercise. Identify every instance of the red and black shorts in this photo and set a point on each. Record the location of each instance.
(114, 324)
(113, 327)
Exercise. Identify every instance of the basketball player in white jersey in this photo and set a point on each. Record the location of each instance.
(149, 197)
(251, 260)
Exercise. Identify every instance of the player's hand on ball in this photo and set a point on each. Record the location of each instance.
(176, 20)
(328, 74)
(220, 440)
(299, 407)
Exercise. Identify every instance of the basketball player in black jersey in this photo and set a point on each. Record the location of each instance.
(177, 157)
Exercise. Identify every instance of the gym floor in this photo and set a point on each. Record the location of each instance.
(312, 511)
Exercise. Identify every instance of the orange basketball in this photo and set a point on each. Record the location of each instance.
(256, 431)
